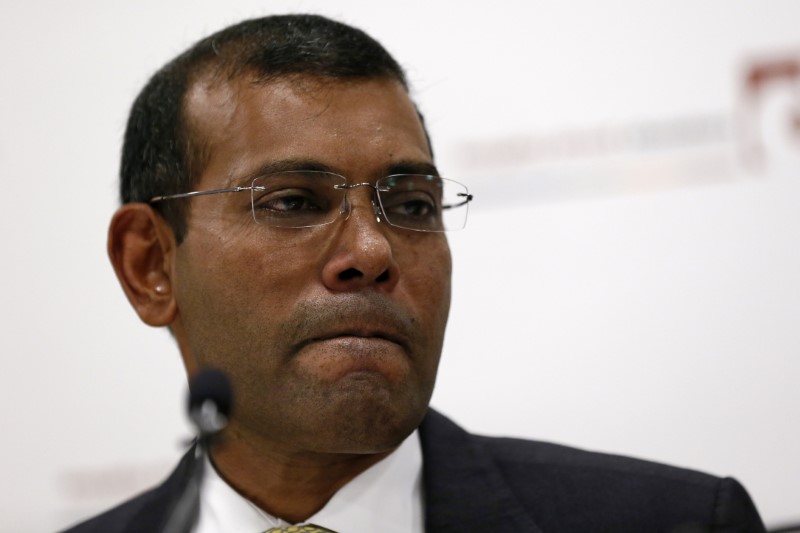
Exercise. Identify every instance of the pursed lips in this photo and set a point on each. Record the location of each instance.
(362, 333)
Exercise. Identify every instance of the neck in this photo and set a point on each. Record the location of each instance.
(290, 484)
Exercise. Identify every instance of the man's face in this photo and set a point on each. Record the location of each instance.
(331, 335)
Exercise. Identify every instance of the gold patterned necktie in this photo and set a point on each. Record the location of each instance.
(308, 528)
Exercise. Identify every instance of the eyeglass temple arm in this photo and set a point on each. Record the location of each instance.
(203, 193)
(467, 199)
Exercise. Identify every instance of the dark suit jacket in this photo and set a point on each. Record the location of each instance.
(482, 484)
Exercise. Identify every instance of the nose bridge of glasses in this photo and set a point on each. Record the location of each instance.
(347, 204)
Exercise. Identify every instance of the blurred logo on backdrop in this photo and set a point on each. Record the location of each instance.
(770, 95)
(762, 126)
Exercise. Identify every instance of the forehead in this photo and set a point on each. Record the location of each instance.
(356, 128)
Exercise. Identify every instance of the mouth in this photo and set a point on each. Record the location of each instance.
(356, 353)
(357, 333)
(365, 333)
(360, 327)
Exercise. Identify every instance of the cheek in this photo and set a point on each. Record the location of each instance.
(254, 260)
(242, 284)
(427, 272)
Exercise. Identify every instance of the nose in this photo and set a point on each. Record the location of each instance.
(361, 253)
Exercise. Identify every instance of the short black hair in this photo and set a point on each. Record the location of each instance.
(160, 156)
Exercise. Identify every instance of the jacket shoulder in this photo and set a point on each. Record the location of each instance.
(562, 488)
(145, 512)
(621, 489)
(121, 517)
(517, 455)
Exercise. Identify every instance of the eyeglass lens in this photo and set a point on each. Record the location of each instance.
(297, 199)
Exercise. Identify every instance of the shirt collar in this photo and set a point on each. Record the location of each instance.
(385, 497)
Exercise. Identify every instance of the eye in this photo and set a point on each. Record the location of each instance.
(410, 204)
(289, 202)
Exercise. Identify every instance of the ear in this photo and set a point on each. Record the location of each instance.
(141, 246)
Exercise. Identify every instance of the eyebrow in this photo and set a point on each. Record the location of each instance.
(313, 165)
(411, 167)
(281, 165)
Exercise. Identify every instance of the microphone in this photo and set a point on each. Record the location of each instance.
(209, 401)
(209, 406)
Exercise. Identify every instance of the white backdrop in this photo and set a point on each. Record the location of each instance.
(628, 281)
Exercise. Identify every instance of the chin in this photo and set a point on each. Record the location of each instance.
(369, 422)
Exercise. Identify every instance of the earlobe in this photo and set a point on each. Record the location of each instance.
(141, 247)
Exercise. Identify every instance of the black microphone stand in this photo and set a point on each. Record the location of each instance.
(209, 408)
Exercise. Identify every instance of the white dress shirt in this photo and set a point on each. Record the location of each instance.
(387, 497)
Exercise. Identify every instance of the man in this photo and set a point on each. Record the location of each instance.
(283, 216)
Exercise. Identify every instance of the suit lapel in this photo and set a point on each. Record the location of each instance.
(464, 490)
(155, 507)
